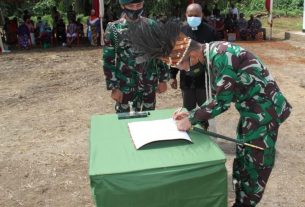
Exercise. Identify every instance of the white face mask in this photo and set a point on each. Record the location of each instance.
(194, 21)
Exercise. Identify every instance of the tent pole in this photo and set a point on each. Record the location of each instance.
(101, 14)
(271, 19)
(304, 17)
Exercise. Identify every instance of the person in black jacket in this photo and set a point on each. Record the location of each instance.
(192, 84)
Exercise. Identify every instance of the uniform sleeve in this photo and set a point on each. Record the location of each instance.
(109, 60)
(163, 71)
(225, 83)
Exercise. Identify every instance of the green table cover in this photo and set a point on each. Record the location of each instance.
(161, 174)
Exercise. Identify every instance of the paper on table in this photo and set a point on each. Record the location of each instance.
(144, 132)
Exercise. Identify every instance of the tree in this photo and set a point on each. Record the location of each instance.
(43, 7)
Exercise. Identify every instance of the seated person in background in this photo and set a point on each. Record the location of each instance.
(45, 33)
(26, 15)
(38, 24)
(5, 28)
(235, 21)
(211, 21)
(11, 31)
(38, 27)
(80, 27)
(235, 25)
(61, 32)
(230, 25)
(242, 27)
(206, 11)
(233, 10)
(23, 36)
(254, 26)
(219, 26)
(72, 32)
(71, 14)
(94, 28)
(55, 17)
(216, 11)
(30, 24)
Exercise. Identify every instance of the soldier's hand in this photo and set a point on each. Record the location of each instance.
(183, 124)
(162, 87)
(173, 83)
(117, 95)
(180, 115)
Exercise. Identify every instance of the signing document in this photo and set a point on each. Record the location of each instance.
(144, 132)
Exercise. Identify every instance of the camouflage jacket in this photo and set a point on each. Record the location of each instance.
(240, 77)
(120, 68)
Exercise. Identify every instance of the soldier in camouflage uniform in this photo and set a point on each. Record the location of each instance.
(129, 81)
(240, 77)
(236, 76)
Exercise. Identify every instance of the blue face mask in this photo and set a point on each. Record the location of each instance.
(194, 21)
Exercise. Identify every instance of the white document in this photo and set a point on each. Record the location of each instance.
(144, 132)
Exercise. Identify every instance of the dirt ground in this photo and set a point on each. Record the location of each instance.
(48, 96)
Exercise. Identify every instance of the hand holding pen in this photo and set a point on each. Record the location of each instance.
(179, 114)
(182, 121)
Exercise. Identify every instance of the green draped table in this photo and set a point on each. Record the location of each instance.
(162, 174)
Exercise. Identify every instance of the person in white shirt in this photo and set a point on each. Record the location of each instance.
(233, 10)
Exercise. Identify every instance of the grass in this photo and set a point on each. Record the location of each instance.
(283, 24)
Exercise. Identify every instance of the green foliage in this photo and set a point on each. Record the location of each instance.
(288, 5)
(83, 18)
(10, 9)
(249, 5)
(61, 6)
(47, 19)
(279, 12)
(294, 13)
(165, 7)
(152, 7)
(44, 7)
(280, 7)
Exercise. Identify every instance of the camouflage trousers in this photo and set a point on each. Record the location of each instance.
(252, 167)
(140, 102)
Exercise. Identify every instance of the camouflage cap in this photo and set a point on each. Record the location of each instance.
(130, 1)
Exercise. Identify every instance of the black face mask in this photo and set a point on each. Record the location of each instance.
(195, 70)
(133, 14)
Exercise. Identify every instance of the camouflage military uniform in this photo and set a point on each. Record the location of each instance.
(138, 82)
(240, 77)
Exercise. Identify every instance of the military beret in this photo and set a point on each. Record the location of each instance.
(130, 1)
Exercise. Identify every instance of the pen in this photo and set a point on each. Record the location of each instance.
(179, 110)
